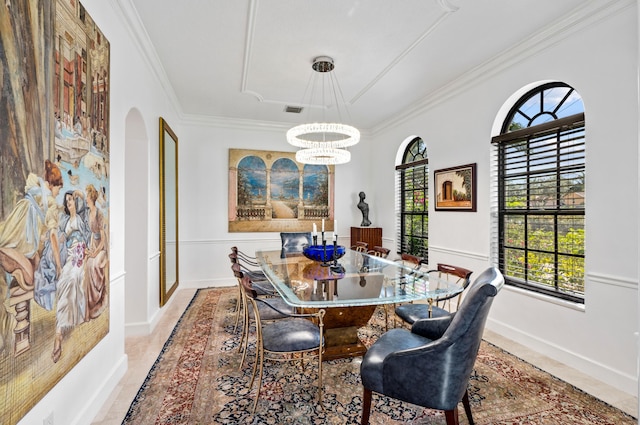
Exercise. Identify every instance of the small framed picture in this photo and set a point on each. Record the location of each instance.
(455, 188)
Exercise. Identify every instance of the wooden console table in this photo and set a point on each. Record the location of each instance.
(370, 235)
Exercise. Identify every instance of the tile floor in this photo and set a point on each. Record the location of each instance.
(142, 352)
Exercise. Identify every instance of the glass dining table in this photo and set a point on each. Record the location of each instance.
(349, 289)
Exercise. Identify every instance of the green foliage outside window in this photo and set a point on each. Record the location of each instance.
(541, 191)
(414, 201)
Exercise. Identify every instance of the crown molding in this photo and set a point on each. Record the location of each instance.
(147, 51)
(589, 14)
(235, 123)
(246, 124)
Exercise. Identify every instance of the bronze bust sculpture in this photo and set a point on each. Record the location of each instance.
(364, 208)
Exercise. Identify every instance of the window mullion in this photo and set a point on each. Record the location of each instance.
(540, 172)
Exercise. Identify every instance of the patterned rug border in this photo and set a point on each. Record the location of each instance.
(165, 346)
(177, 326)
(573, 387)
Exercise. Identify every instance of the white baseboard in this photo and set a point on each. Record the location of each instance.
(603, 373)
(102, 394)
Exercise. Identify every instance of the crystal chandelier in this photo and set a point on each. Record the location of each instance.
(324, 142)
(323, 156)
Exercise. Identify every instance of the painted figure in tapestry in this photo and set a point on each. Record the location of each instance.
(54, 185)
(20, 237)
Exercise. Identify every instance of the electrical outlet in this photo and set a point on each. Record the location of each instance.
(48, 420)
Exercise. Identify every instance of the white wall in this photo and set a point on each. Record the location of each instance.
(598, 59)
(204, 163)
(597, 337)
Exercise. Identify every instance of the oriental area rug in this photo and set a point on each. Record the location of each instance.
(197, 380)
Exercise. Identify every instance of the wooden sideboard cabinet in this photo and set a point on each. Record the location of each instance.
(370, 235)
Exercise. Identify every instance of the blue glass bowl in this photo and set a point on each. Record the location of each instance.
(317, 252)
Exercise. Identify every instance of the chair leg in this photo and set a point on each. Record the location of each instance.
(255, 367)
(467, 407)
(452, 416)
(245, 325)
(239, 307)
(320, 385)
(366, 406)
(244, 339)
(260, 358)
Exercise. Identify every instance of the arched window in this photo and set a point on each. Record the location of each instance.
(541, 192)
(413, 189)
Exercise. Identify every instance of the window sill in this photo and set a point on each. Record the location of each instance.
(546, 298)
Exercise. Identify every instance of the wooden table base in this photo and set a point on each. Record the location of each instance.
(341, 331)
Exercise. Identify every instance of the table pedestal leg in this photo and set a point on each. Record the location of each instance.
(341, 331)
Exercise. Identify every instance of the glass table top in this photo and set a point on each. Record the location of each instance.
(356, 279)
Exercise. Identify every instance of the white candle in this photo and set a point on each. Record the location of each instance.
(315, 230)
(335, 236)
(323, 225)
(335, 226)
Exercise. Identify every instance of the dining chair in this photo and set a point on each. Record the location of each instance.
(277, 309)
(409, 260)
(244, 256)
(409, 313)
(379, 251)
(361, 246)
(248, 263)
(258, 277)
(297, 337)
(430, 365)
(294, 242)
(262, 285)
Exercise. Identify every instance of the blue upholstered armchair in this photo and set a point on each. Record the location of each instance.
(293, 242)
(430, 365)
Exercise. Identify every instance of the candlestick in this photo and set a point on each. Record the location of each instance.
(336, 268)
(324, 252)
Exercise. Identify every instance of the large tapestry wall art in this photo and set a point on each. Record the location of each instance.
(54, 196)
(271, 192)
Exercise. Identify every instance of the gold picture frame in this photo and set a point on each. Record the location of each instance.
(168, 212)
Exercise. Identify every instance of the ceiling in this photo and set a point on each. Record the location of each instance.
(248, 59)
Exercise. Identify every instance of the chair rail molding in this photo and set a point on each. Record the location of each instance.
(457, 252)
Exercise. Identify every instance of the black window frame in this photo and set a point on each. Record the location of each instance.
(413, 170)
(552, 135)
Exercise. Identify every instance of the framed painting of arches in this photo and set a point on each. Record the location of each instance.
(270, 192)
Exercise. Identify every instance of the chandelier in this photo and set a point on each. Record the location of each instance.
(324, 142)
